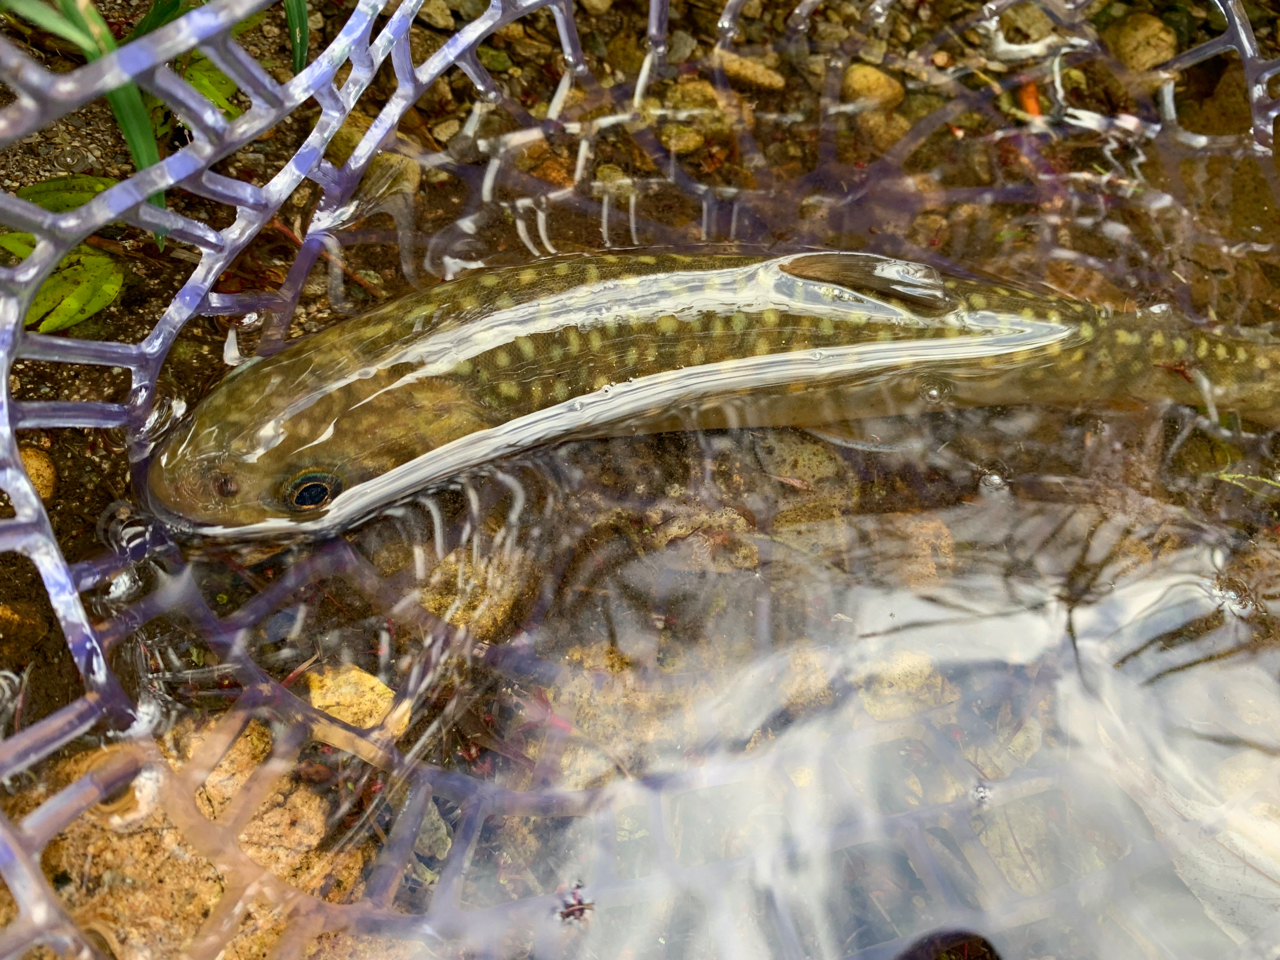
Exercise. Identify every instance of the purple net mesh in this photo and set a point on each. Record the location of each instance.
(887, 199)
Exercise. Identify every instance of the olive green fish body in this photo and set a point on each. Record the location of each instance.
(333, 427)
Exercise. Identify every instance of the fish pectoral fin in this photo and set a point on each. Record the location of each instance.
(915, 285)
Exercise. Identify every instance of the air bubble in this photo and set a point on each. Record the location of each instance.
(995, 477)
(933, 390)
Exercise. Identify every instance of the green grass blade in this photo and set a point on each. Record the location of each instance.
(49, 20)
(160, 13)
(135, 124)
(295, 15)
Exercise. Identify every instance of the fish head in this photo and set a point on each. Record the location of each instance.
(274, 447)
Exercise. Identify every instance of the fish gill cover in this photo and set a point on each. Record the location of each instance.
(974, 681)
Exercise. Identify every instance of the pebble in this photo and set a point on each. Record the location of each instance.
(681, 138)
(353, 696)
(882, 128)
(436, 13)
(750, 72)
(682, 46)
(446, 130)
(865, 83)
(1142, 41)
(597, 8)
(1027, 19)
(40, 468)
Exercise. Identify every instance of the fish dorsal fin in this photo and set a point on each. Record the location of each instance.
(914, 285)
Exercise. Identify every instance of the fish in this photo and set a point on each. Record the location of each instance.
(325, 433)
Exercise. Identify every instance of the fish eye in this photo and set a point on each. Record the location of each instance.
(311, 490)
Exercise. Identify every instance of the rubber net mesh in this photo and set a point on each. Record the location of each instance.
(1042, 140)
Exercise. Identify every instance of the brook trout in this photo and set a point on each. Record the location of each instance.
(338, 425)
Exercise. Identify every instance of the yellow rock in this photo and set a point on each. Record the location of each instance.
(40, 468)
(349, 694)
(863, 82)
(749, 72)
(681, 138)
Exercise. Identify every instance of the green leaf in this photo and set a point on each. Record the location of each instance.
(49, 20)
(295, 15)
(65, 193)
(214, 84)
(248, 23)
(19, 244)
(83, 283)
(160, 13)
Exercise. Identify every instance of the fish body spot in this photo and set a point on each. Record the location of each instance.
(502, 358)
(668, 324)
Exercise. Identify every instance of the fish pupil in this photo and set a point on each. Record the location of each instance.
(309, 492)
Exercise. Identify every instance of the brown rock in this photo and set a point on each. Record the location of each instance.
(1141, 41)
(882, 129)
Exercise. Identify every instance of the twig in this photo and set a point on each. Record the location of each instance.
(355, 278)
